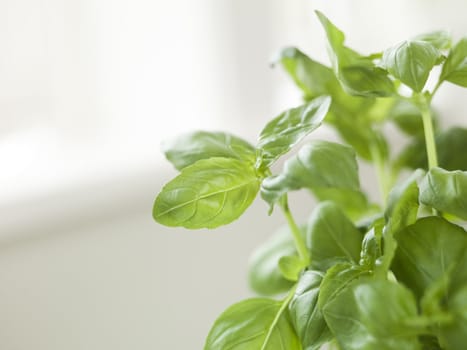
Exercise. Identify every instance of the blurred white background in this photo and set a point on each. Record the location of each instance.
(88, 90)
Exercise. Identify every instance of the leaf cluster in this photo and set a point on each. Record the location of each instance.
(357, 275)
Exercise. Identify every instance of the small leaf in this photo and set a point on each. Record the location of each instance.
(332, 237)
(411, 62)
(318, 164)
(371, 315)
(264, 275)
(425, 252)
(371, 245)
(455, 67)
(445, 191)
(312, 77)
(290, 266)
(289, 128)
(189, 148)
(210, 193)
(305, 314)
(257, 324)
(440, 39)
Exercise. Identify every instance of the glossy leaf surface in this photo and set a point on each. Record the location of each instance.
(210, 193)
(289, 128)
(253, 324)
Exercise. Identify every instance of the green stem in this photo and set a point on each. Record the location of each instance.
(381, 172)
(428, 130)
(296, 232)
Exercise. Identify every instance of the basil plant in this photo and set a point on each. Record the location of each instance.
(357, 275)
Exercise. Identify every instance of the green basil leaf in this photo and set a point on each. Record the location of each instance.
(371, 315)
(318, 164)
(411, 62)
(357, 74)
(445, 191)
(210, 193)
(305, 314)
(425, 252)
(187, 149)
(454, 336)
(290, 266)
(440, 39)
(264, 275)
(429, 343)
(289, 128)
(332, 237)
(312, 77)
(455, 67)
(337, 279)
(256, 324)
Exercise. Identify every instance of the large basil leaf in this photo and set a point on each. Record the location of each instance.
(371, 315)
(209, 193)
(187, 149)
(258, 324)
(455, 67)
(357, 74)
(332, 237)
(264, 275)
(450, 144)
(305, 314)
(445, 191)
(426, 251)
(318, 164)
(289, 128)
(411, 62)
(312, 77)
